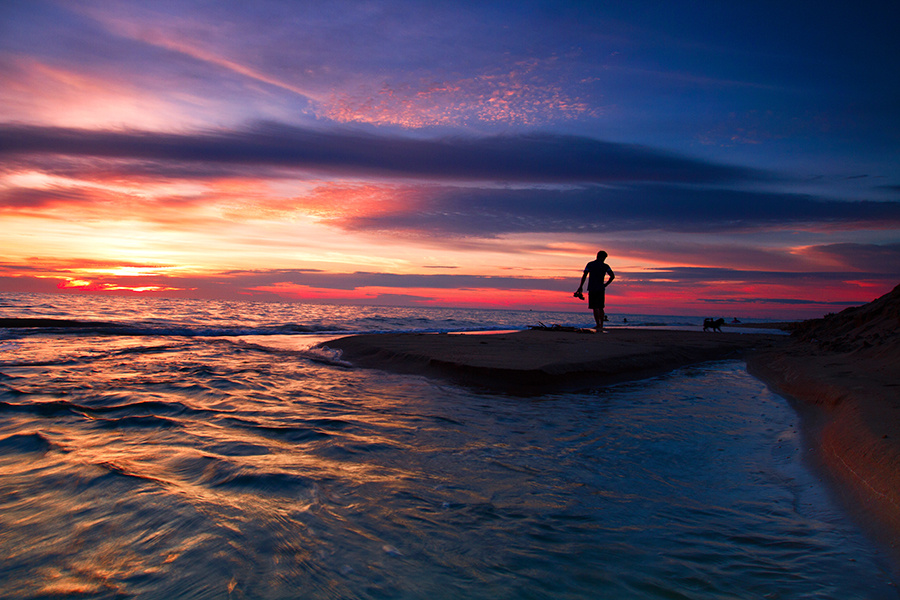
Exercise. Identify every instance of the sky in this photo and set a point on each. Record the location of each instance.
(733, 158)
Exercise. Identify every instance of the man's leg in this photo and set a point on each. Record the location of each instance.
(598, 318)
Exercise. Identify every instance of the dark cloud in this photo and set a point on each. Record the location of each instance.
(152, 170)
(791, 301)
(881, 258)
(690, 275)
(360, 279)
(686, 276)
(543, 158)
(889, 188)
(21, 197)
(486, 212)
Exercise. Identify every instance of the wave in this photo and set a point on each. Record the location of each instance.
(148, 406)
(140, 422)
(44, 323)
(76, 326)
(316, 354)
(302, 320)
(236, 325)
(136, 414)
(284, 484)
(229, 330)
(217, 473)
(288, 433)
(294, 329)
(44, 409)
(237, 448)
(25, 443)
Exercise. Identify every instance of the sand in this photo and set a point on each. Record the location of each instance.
(845, 370)
(533, 361)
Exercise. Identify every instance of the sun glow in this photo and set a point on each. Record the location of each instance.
(86, 285)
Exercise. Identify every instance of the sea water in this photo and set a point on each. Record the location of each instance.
(199, 449)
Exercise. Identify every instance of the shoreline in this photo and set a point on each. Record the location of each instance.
(855, 403)
(845, 369)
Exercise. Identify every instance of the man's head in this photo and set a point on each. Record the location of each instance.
(602, 255)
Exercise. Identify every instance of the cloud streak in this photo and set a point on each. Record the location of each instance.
(607, 209)
(348, 282)
(541, 158)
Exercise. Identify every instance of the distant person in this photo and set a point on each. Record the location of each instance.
(597, 270)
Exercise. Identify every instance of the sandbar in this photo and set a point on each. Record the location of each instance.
(533, 362)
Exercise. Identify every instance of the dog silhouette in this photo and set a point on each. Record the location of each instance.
(714, 324)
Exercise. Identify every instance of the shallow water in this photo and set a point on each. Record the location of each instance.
(250, 467)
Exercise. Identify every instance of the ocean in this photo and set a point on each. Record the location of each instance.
(209, 449)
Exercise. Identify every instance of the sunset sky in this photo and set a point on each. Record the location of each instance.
(733, 158)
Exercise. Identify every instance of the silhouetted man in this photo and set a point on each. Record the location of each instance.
(597, 270)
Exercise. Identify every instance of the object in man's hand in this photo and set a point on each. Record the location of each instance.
(579, 295)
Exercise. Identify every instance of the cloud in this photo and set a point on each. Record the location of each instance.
(859, 257)
(527, 92)
(537, 157)
(691, 275)
(782, 301)
(606, 209)
(366, 279)
(31, 198)
(447, 211)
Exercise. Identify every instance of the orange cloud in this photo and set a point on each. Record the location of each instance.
(335, 202)
(86, 285)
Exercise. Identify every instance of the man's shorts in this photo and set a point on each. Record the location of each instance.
(597, 299)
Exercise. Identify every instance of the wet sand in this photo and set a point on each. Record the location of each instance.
(856, 403)
(534, 361)
(845, 370)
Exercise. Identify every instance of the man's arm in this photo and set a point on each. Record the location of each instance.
(578, 293)
(611, 277)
